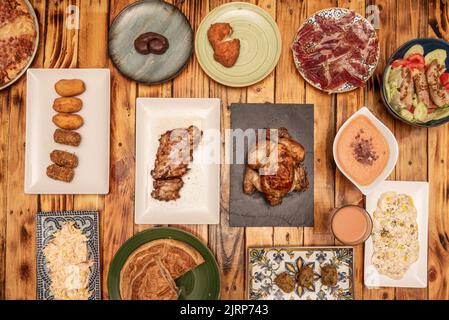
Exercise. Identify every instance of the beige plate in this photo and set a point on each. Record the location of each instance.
(260, 44)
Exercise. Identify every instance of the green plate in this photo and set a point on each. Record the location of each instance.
(202, 283)
(260, 44)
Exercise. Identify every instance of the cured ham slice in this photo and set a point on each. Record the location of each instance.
(336, 53)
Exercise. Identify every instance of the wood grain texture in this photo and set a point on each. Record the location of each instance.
(262, 92)
(387, 43)
(345, 191)
(193, 83)
(289, 13)
(324, 132)
(438, 163)
(228, 243)
(20, 269)
(412, 162)
(4, 144)
(119, 203)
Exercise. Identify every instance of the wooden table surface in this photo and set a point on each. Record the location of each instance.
(424, 154)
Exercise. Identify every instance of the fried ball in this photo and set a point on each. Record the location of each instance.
(285, 282)
(306, 277)
(329, 275)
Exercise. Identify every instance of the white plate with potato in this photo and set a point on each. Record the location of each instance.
(67, 110)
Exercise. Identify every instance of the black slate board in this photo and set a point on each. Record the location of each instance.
(296, 208)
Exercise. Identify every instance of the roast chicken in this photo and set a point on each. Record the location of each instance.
(274, 167)
(173, 156)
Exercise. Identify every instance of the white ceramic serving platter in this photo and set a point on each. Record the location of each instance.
(92, 173)
(392, 143)
(199, 201)
(416, 276)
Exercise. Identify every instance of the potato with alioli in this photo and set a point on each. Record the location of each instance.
(68, 121)
(67, 104)
(70, 87)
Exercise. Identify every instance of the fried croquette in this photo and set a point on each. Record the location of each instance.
(64, 158)
(60, 173)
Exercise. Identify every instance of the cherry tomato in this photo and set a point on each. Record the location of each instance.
(416, 58)
(411, 109)
(413, 65)
(444, 78)
(399, 63)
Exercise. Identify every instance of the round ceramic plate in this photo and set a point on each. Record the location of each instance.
(150, 16)
(36, 45)
(335, 13)
(429, 44)
(260, 44)
(202, 283)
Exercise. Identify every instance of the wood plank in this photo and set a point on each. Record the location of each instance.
(193, 83)
(20, 266)
(387, 42)
(163, 90)
(154, 91)
(227, 243)
(438, 162)
(412, 163)
(289, 15)
(60, 51)
(4, 145)
(93, 53)
(345, 191)
(324, 131)
(119, 203)
(262, 92)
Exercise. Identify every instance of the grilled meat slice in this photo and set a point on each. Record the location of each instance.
(406, 89)
(438, 93)
(175, 152)
(421, 87)
(167, 190)
(173, 156)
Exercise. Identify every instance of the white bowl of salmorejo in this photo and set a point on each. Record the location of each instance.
(365, 150)
(351, 225)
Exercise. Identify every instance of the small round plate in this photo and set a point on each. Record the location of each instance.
(429, 44)
(335, 13)
(150, 16)
(202, 283)
(260, 44)
(36, 46)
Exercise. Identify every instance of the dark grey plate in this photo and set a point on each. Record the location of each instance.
(253, 210)
(47, 223)
(150, 16)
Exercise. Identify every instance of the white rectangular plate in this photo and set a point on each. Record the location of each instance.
(416, 275)
(92, 173)
(200, 196)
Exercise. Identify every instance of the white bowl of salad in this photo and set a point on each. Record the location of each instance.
(415, 83)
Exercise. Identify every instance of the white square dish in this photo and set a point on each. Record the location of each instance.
(92, 173)
(392, 143)
(199, 201)
(416, 275)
